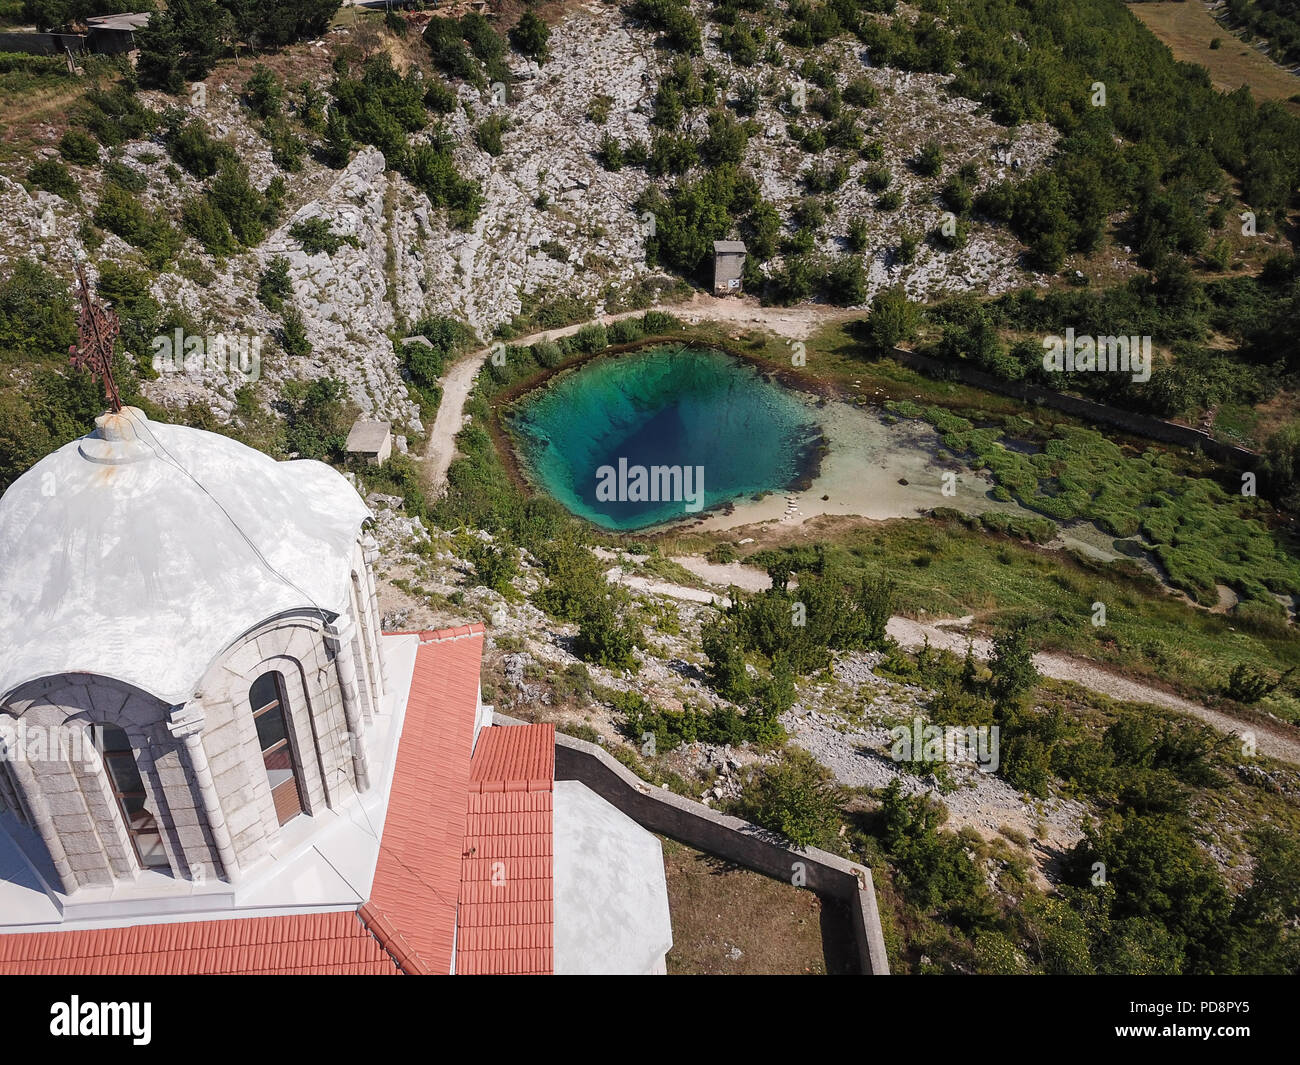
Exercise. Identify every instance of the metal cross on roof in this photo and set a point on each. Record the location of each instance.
(97, 328)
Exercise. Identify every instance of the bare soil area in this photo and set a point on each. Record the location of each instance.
(731, 921)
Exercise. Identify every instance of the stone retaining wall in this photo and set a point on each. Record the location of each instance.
(695, 825)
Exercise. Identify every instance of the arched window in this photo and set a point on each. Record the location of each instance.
(269, 704)
(128, 789)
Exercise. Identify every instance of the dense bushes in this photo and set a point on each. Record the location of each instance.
(52, 176)
(317, 235)
(184, 41)
(77, 146)
(673, 19)
(318, 416)
(529, 36)
(381, 108)
(694, 214)
(797, 797)
(121, 212)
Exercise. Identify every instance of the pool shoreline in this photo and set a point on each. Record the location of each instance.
(523, 438)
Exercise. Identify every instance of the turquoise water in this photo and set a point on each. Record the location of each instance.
(696, 428)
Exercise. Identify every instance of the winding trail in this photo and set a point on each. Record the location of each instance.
(797, 322)
(791, 322)
(950, 634)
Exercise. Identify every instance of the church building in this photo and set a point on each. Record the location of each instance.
(213, 759)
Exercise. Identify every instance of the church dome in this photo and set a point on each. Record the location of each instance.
(143, 550)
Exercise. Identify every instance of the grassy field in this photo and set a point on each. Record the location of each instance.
(942, 567)
(731, 921)
(1187, 28)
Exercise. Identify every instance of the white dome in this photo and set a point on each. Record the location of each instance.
(143, 550)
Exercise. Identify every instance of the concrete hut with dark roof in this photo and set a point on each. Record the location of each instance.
(212, 760)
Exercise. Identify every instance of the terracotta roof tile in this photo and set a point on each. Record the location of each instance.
(477, 834)
(507, 878)
(215, 947)
(416, 880)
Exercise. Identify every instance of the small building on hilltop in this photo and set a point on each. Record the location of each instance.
(728, 267)
(372, 441)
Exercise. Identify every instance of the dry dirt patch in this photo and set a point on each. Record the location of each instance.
(732, 921)
(1187, 29)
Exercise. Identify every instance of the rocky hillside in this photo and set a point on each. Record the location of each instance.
(554, 222)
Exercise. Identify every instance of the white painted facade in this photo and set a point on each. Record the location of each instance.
(149, 575)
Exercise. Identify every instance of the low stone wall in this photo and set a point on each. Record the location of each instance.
(42, 43)
(695, 825)
(100, 41)
(1086, 409)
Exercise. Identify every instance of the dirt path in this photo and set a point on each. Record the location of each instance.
(950, 635)
(458, 382)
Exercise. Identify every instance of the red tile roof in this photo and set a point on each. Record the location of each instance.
(410, 920)
(514, 758)
(302, 944)
(416, 880)
(507, 891)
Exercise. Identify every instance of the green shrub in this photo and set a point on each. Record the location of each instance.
(77, 146)
(610, 153)
(529, 36)
(797, 797)
(487, 134)
(52, 176)
(624, 331)
(293, 334)
(247, 211)
(274, 286)
(120, 212)
(590, 338)
(317, 235)
(494, 566)
(440, 97)
(263, 92)
(207, 225)
(606, 639)
(929, 159)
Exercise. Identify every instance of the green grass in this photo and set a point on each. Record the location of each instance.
(942, 567)
(1200, 534)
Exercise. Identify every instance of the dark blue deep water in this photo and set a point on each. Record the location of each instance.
(703, 426)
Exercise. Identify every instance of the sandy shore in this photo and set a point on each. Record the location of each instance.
(872, 470)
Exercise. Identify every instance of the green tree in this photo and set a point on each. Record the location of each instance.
(264, 92)
(293, 334)
(529, 36)
(721, 644)
(893, 319)
(317, 416)
(274, 285)
(797, 797)
(606, 639)
(182, 43)
(1012, 663)
(494, 565)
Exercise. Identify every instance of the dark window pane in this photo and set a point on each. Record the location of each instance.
(270, 728)
(264, 690)
(110, 738)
